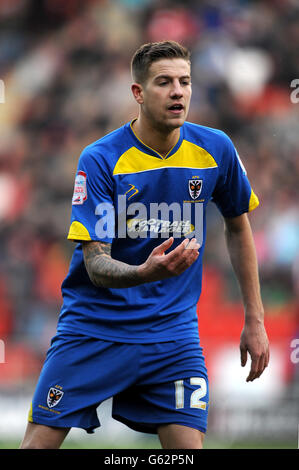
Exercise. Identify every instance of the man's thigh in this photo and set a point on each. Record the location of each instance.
(38, 436)
(175, 436)
(78, 374)
(173, 389)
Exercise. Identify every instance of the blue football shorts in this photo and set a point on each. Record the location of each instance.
(151, 384)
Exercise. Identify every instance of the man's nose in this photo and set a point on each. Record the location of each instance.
(176, 91)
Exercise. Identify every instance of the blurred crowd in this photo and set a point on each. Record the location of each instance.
(65, 68)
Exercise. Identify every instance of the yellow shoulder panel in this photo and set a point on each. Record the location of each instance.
(189, 155)
(78, 232)
(134, 161)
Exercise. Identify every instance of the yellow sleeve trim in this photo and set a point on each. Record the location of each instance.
(253, 201)
(30, 419)
(78, 232)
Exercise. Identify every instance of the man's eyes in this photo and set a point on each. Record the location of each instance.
(183, 82)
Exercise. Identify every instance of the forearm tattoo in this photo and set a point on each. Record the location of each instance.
(105, 271)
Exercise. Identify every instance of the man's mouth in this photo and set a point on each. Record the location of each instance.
(176, 108)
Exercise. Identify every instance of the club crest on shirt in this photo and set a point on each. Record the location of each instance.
(80, 191)
(195, 187)
(54, 397)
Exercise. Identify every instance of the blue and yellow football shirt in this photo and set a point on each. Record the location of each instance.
(130, 196)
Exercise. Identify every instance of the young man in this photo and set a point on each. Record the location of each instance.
(128, 324)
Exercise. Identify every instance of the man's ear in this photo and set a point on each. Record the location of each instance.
(137, 92)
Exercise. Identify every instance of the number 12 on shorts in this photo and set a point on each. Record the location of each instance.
(196, 395)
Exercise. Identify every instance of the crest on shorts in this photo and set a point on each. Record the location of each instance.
(80, 191)
(54, 397)
(195, 187)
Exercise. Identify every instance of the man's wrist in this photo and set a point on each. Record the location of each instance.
(141, 273)
(254, 317)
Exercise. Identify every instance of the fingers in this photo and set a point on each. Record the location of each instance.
(183, 255)
(267, 358)
(193, 245)
(258, 365)
(243, 356)
(253, 370)
(254, 341)
(186, 244)
(174, 263)
(160, 249)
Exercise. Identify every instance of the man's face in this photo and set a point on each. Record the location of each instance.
(166, 94)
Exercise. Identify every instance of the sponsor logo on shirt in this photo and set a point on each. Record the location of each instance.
(180, 228)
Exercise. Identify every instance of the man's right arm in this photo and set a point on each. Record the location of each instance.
(104, 271)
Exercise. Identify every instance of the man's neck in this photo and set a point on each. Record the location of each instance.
(161, 142)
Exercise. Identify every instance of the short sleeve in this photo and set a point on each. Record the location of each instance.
(233, 194)
(92, 215)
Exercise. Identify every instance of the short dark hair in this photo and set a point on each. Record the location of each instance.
(153, 51)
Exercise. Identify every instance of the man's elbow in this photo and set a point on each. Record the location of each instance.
(235, 225)
(95, 278)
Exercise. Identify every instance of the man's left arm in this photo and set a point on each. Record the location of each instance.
(242, 253)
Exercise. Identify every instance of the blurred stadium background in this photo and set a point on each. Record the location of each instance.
(64, 70)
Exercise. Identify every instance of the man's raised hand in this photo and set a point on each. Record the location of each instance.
(161, 266)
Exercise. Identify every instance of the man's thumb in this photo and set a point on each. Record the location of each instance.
(243, 356)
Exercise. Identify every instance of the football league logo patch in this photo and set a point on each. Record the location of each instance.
(80, 191)
(54, 397)
(195, 187)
